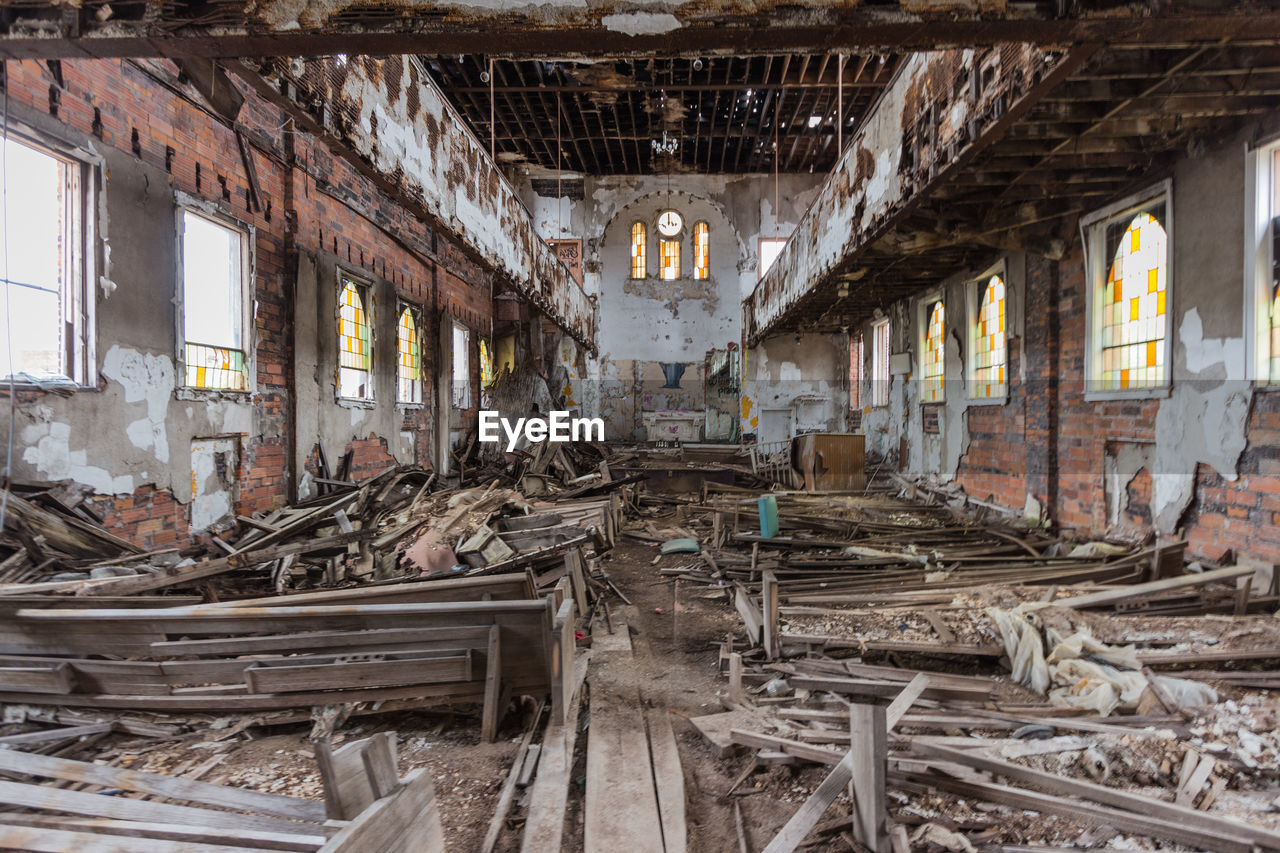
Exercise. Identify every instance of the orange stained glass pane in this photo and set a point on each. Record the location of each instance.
(637, 250)
(1133, 309)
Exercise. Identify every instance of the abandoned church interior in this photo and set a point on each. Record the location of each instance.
(918, 364)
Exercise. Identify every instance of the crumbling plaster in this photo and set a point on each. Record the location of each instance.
(132, 430)
(322, 417)
(807, 374)
(680, 320)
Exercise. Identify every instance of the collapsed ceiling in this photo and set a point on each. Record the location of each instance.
(721, 114)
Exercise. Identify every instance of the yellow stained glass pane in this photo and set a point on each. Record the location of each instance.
(1133, 310)
(638, 250)
(670, 259)
(989, 352)
(701, 251)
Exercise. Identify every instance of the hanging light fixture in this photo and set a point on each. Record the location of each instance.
(669, 144)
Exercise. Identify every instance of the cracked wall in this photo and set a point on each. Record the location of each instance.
(646, 323)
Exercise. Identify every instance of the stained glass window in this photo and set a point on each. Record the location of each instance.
(934, 351)
(701, 251)
(409, 363)
(1133, 305)
(487, 370)
(990, 353)
(670, 254)
(637, 250)
(355, 341)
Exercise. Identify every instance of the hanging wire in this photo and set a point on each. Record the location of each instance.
(8, 314)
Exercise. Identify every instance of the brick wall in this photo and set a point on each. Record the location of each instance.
(994, 467)
(1053, 444)
(142, 109)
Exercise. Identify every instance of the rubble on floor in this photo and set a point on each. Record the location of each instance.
(957, 671)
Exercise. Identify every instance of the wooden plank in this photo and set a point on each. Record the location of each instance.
(41, 840)
(509, 786)
(621, 809)
(322, 672)
(98, 805)
(668, 779)
(408, 821)
(1090, 814)
(794, 832)
(735, 678)
(50, 678)
(544, 826)
(904, 700)
(513, 587)
(1126, 593)
(56, 734)
(155, 784)
(170, 832)
(564, 646)
(491, 714)
(208, 568)
(752, 618)
(348, 791)
(1114, 797)
(869, 747)
(319, 641)
(379, 759)
(769, 614)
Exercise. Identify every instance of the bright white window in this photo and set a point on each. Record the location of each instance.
(770, 248)
(880, 364)
(461, 367)
(46, 334)
(1263, 262)
(214, 262)
(355, 339)
(1129, 248)
(409, 356)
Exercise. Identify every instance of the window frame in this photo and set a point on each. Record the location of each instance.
(701, 273)
(78, 358)
(881, 387)
(1262, 206)
(975, 289)
(925, 312)
(644, 250)
(364, 287)
(248, 254)
(857, 356)
(781, 242)
(1093, 236)
(663, 243)
(416, 314)
(454, 326)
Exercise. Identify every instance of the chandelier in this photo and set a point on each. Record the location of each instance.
(667, 146)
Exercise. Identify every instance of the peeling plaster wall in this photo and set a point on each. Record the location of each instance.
(322, 417)
(645, 323)
(796, 384)
(1188, 447)
(133, 430)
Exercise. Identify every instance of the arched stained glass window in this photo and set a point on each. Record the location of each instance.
(934, 351)
(355, 341)
(701, 251)
(1133, 313)
(637, 250)
(990, 350)
(409, 364)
